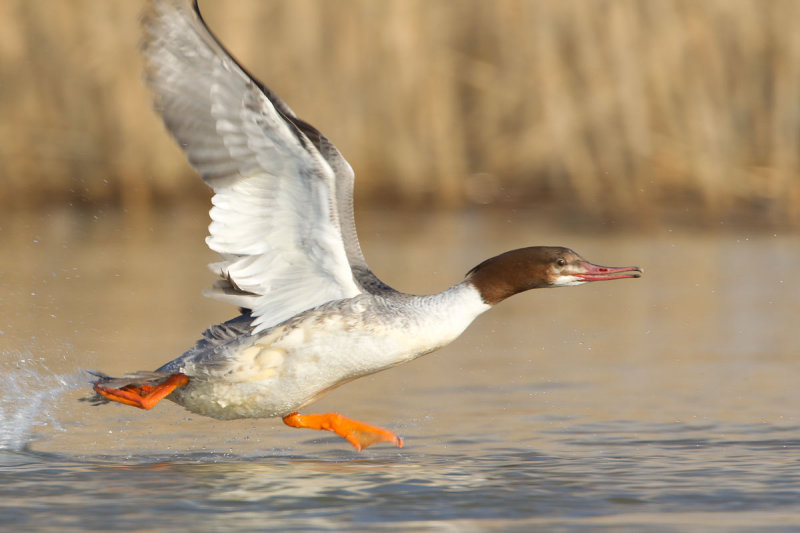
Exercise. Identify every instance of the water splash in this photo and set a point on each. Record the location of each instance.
(28, 392)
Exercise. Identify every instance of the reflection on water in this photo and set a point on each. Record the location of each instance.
(668, 401)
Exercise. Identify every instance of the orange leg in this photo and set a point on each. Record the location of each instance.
(144, 396)
(357, 433)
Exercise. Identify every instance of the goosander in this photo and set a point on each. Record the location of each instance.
(314, 316)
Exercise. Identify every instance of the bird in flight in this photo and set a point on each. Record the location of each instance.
(313, 315)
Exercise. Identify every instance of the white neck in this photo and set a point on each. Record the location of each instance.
(444, 316)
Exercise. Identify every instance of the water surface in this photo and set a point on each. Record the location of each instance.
(667, 403)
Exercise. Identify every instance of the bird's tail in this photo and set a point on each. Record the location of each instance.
(136, 380)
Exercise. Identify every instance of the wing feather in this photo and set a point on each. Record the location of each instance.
(275, 215)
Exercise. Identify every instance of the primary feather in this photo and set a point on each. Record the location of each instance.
(282, 215)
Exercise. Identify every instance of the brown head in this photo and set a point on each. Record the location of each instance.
(537, 267)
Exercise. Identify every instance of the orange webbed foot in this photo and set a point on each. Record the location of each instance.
(142, 396)
(357, 433)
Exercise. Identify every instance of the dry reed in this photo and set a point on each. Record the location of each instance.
(612, 106)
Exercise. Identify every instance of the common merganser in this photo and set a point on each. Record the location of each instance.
(314, 316)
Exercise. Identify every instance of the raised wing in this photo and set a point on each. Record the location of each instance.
(275, 219)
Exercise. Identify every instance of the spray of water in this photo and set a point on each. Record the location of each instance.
(28, 390)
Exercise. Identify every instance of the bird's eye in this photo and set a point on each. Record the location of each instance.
(560, 262)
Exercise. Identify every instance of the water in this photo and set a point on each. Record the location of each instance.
(29, 392)
(667, 403)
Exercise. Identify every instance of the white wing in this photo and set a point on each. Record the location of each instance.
(274, 216)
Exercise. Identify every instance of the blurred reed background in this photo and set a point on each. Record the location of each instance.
(622, 108)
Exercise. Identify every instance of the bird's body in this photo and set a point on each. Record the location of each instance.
(284, 368)
(314, 315)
